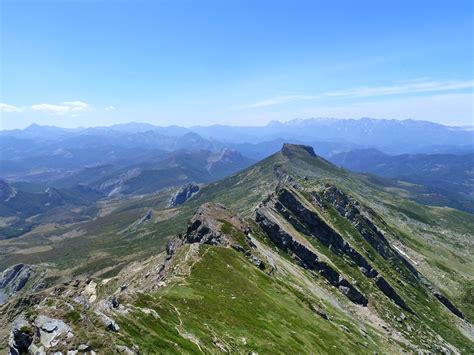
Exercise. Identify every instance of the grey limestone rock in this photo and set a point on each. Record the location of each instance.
(183, 194)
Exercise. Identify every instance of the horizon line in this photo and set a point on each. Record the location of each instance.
(242, 126)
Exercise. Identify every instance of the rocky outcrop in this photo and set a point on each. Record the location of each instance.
(311, 260)
(108, 322)
(183, 194)
(13, 279)
(37, 337)
(351, 210)
(21, 337)
(308, 222)
(146, 217)
(51, 330)
(6, 191)
(389, 291)
(173, 245)
(447, 303)
(207, 226)
(214, 224)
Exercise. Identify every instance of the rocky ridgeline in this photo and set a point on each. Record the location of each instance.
(350, 209)
(306, 255)
(205, 226)
(286, 203)
(214, 224)
(183, 194)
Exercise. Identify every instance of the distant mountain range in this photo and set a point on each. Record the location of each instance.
(390, 136)
(138, 158)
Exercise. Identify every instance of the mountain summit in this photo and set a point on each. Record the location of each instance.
(297, 149)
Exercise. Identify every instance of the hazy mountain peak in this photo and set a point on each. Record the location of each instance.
(6, 191)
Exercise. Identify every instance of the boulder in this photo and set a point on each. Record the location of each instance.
(107, 321)
(51, 330)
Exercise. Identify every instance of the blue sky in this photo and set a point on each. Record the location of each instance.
(88, 63)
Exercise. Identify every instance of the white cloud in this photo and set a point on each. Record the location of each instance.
(9, 108)
(278, 100)
(412, 87)
(110, 108)
(408, 88)
(63, 108)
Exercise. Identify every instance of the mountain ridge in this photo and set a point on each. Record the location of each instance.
(414, 134)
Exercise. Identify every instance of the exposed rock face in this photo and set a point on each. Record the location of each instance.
(447, 303)
(146, 217)
(284, 177)
(183, 194)
(350, 209)
(116, 185)
(13, 279)
(311, 224)
(173, 245)
(291, 149)
(308, 222)
(36, 338)
(51, 330)
(214, 224)
(21, 337)
(54, 196)
(288, 243)
(205, 226)
(107, 321)
(6, 191)
(388, 290)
